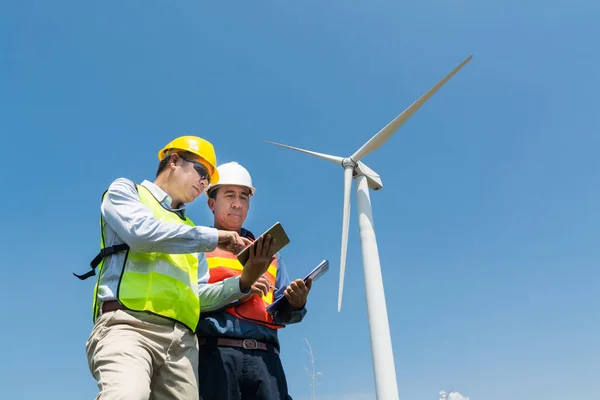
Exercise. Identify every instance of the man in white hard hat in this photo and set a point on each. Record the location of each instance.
(239, 346)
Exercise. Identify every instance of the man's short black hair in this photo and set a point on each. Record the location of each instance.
(212, 193)
(164, 163)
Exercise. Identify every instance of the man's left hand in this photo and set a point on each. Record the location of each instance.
(297, 292)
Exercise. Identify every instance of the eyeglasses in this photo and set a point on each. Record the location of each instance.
(200, 169)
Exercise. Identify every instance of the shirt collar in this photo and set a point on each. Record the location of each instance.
(164, 199)
(247, 234)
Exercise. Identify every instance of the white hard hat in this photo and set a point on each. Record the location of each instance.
(233, 173)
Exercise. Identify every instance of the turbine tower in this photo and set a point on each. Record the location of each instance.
(386, 387)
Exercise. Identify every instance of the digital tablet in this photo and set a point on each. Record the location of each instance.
(314, 274)
(318, 271)
(277, 232)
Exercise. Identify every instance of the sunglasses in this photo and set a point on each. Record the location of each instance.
(200, 169)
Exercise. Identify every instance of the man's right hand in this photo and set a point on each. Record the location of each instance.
(261, 287)
(231, 241)
(258, 262)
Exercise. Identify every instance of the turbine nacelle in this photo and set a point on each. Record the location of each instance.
(373, 178)
(361, 169)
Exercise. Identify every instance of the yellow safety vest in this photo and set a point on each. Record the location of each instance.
(158, 283)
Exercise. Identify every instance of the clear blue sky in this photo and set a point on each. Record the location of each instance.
(488, 223)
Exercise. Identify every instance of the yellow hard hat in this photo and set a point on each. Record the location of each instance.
(198, 146)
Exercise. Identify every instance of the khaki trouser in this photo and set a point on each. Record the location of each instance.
(137, 356)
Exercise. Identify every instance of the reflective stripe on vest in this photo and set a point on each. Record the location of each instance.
(223, 265)
(159, 283)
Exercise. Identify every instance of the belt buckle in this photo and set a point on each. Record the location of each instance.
(250, 347)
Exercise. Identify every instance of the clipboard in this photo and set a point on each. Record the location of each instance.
(277, 232)
(315, 274)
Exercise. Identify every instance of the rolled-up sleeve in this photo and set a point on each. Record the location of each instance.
(136, 225)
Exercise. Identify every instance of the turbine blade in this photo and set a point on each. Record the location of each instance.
(345, 225)
(383, 135)
(334, 159)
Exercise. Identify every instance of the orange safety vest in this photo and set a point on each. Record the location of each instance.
(222, 265)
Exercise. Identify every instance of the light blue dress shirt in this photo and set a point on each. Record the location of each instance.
(127, 220)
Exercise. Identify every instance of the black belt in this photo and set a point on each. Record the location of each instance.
(248, 344)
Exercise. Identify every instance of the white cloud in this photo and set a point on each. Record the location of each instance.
(457, 396)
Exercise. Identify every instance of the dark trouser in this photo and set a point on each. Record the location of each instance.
(232, 373)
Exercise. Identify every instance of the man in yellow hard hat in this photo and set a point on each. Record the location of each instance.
(239, 346)
(146, 304)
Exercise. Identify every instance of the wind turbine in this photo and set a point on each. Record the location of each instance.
(386, 386)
